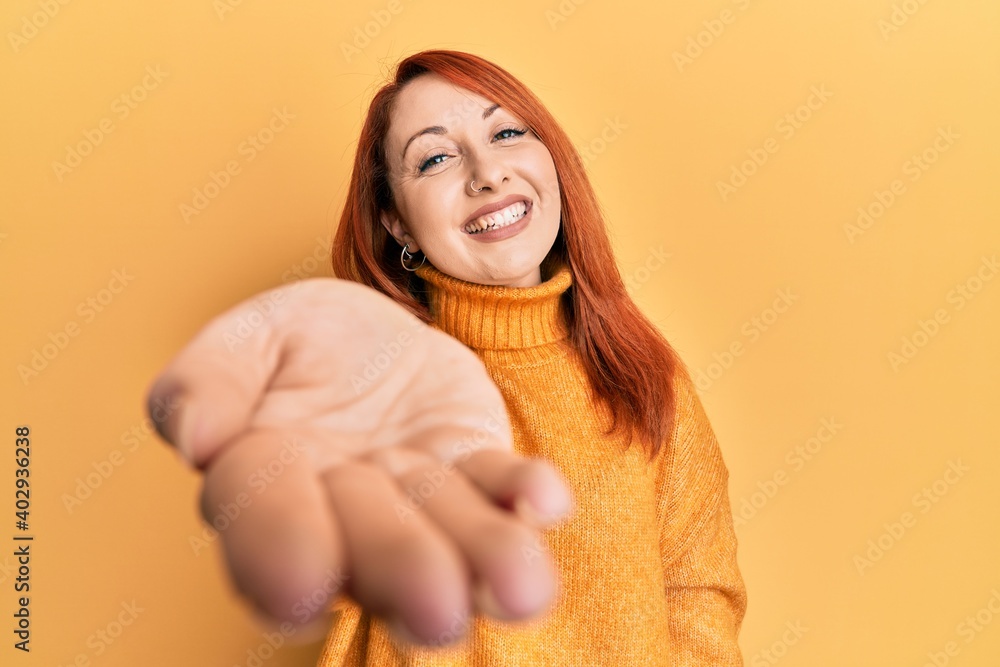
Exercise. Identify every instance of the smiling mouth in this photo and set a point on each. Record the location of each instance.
(501, 218)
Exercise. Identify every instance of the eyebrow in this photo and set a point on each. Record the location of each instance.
(438, 129)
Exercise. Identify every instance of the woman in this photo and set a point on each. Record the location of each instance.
(469, 207)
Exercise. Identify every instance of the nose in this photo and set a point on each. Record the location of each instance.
(488, 170)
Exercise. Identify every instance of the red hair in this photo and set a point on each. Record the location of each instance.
(629, 364)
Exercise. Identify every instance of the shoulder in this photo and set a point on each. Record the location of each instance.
(692, 431)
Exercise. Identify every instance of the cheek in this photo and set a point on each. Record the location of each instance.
(408, 194)
(431, 207)
(538, 162)
(548, 179)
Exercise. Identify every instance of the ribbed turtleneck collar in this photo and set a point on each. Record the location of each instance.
(492, 317)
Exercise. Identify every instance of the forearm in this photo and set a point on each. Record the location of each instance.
(706, 596)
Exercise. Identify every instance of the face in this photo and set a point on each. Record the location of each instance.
(440, 138)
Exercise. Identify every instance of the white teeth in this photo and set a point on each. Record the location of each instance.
(502, 218)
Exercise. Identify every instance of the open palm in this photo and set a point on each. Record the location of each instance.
(349, 447)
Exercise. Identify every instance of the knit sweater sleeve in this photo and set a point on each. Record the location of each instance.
(706, 596)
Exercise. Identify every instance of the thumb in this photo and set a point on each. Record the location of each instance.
(208, 392)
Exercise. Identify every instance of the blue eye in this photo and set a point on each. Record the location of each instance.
(430, 161)
(514, 132)
(506, 133)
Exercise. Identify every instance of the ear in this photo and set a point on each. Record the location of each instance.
(390, 220)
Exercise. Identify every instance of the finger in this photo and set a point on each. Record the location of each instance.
(402, 567)
(478, 441)
(280, 540)
(531, 487)
(507, 584)
(214, 382)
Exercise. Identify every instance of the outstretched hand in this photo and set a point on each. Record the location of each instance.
(365, 452)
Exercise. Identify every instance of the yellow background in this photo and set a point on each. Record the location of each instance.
(662, 133)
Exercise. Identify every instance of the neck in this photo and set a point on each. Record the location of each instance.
(499, 317)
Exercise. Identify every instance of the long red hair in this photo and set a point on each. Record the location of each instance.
(630, 365)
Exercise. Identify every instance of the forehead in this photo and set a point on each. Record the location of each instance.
(432, 100)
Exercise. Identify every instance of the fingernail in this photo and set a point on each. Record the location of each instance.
(524, 509)
(182, 458)
(290, 631)
(309, 633)
(487, 603)
(189, 429)
(402, 634)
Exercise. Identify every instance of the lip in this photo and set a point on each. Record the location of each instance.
(498, 205)
(504, 232)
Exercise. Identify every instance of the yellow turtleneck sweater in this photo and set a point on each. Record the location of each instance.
(647, 563)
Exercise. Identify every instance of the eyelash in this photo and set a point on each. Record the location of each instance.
(517, 133)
